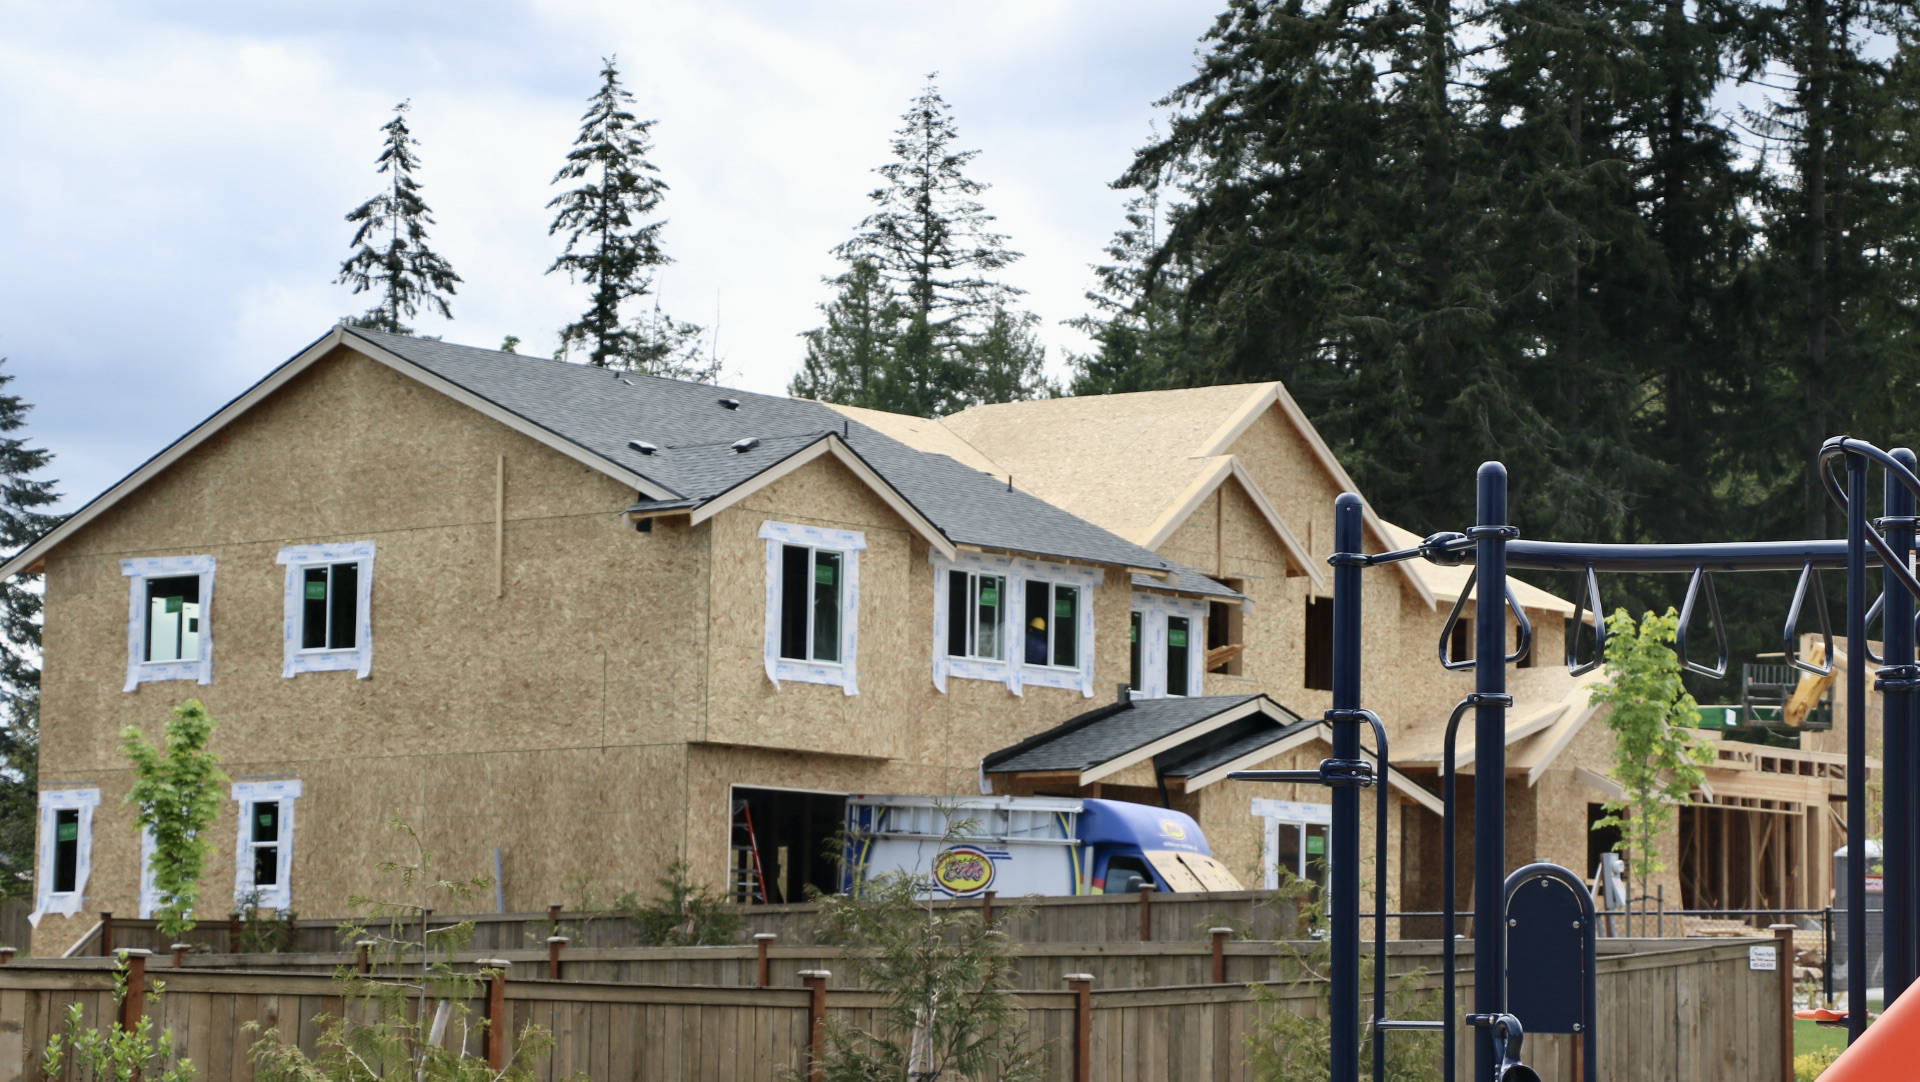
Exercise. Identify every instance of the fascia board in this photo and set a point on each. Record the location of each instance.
(1172, 740)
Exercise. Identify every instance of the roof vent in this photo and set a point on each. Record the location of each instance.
(642, 446)
(730, 403)
(741, 447)
(626, 381)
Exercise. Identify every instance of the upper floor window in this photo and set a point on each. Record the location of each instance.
(168, 636)
(1013, 621)
(813, 600)
(263, 852)
(327, 622)
(66, 851)
(1168, 658)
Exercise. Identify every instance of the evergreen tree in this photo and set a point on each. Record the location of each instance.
(1007, 363)
(847, 359)
(610, 244)
(24, 498)
(664, 346)
(1140, 342)
(933, 245)
(390, 252)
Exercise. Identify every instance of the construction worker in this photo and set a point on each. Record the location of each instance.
(1037, 641)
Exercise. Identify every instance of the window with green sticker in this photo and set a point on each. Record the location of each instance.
(1053, 624)
(1179, 656)
(330, 607)
(66, 850)
(173, 619)
(976, 620)
(811, 594)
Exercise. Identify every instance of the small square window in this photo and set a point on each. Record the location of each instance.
(169, 605)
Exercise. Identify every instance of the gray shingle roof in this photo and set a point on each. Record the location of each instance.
(1102, 735)
(601, 410)
(1228, 743)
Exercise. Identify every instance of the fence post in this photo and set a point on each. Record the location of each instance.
(1081, 985)
(363, 955)
(553, 912)
(106, 933)
(180, 954)
(497, 1022)
(135, 1005)
(1146, 912)
(816, 982)
(1220, 953)
(986, 908)
(1783, 938)
(555, 944)
(233, 933)
(761, 941)
(6, 955)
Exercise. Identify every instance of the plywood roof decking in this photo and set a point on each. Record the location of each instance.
(1548, 708)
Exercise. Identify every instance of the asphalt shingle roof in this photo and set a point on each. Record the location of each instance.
(1227, 743)
(1102, 735)
(601, 410)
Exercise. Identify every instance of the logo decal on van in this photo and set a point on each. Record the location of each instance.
(963, 870)
(1170, 828)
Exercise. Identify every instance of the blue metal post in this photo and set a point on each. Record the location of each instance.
(1894, 714)
(1490, 756)
(1343, 872)
(1856, 746)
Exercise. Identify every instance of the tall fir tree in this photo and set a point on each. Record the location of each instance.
(390, 252)
(848, 358)
(24, 498)
(934, 248)
(1140, 342)
(612, 247)
(1006, 362)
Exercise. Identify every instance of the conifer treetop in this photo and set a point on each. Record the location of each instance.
(391, 255)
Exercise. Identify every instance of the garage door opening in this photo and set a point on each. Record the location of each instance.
(792, 837)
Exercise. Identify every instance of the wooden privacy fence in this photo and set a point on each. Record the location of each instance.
(1094, 918)
(1694, 1010)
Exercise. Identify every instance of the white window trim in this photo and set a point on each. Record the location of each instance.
(149, 892)
(1279, 813)
(1016, 675)
(138, 571)
(64, 903)
(849, 543)
(297, 559)
(285, 791)
(1154, 610)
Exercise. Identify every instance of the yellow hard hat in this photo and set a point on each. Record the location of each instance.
(1038, 623)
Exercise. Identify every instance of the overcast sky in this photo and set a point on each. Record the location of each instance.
(173, 176)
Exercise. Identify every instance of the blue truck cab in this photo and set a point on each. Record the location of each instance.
(1129, 846)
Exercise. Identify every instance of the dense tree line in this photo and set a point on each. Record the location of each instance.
(1648, 252)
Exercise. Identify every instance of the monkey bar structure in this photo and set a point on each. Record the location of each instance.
(1533, 947)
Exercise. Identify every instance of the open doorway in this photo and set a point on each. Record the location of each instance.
(792, 836)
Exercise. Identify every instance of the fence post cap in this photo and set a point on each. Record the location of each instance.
(1219, 931)
(1149, 888)
(9, 950)
(1783, 927)
(559, 939)
(1088, 977)
(170, 946)
(134, 952)
(764, 936)
(366, 942)
(815, 974)
(493, 963)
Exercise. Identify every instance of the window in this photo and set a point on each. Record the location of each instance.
(1296, 840)
(813, 596)
(327, 620)
(1169, 631)
(1133, 648)
(1319, 651)
(263, 853)
(979, 629)
(1225, 628)
(169, 599)
(1178, 655)
(1013, 621)
(1053, 625)
(66, 851)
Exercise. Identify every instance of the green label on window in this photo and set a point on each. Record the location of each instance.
(316, 591)
(1063, 608)
(1316, 844)
(1176, 636)
(989, 596)
(823, 574)
(266, 819)
(69, 832)
(174, 603)
(1133, 633)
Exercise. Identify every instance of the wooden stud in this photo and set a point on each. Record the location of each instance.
(1219, 953)
(761, 941)
(816, 982)
(1081, 984)
(500, 525)
(1146, 912)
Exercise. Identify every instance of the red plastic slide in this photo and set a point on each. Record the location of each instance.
(1889, 1049)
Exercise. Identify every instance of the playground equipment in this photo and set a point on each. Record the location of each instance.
(1528, 974)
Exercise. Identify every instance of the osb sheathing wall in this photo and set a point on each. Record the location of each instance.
(548, 722)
